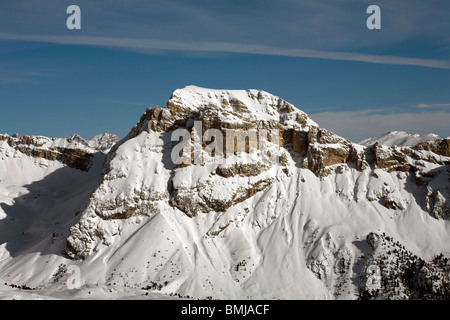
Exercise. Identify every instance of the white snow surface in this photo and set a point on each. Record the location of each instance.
(260, 105)
(400, 139)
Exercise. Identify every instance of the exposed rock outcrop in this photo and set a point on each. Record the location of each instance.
(440, 146)
(393, 272)
(51, 149)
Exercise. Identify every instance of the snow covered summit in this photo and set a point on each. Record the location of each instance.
(317, 223)
(102, 142)
(400, 139)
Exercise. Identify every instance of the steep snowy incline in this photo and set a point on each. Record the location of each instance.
(44, 184)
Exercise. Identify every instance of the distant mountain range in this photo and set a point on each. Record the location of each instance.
(400, 139)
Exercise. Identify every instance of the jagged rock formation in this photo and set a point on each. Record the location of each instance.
(74, 151)
(102, 142)
(51, 149)
(440, 146)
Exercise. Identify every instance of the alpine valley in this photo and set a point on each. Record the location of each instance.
(332, 219)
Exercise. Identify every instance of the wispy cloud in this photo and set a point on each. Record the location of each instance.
(423, 106)
(150, 45)
(23, 76)
(432, 105)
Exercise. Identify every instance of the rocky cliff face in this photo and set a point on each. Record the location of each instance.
(74, 151)
(71, 155)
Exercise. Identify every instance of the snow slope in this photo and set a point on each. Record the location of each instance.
(246, 229)
(400, 138)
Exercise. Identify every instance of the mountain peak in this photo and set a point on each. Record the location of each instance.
(400, 139)
(250, 104)
(230, 224)
(102, 142)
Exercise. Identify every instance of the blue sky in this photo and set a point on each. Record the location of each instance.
(130, 55)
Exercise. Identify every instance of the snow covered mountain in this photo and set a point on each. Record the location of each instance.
(102, 142)
(231, 194)
(400, 139)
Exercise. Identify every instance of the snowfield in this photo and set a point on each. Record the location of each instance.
(400, 139)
